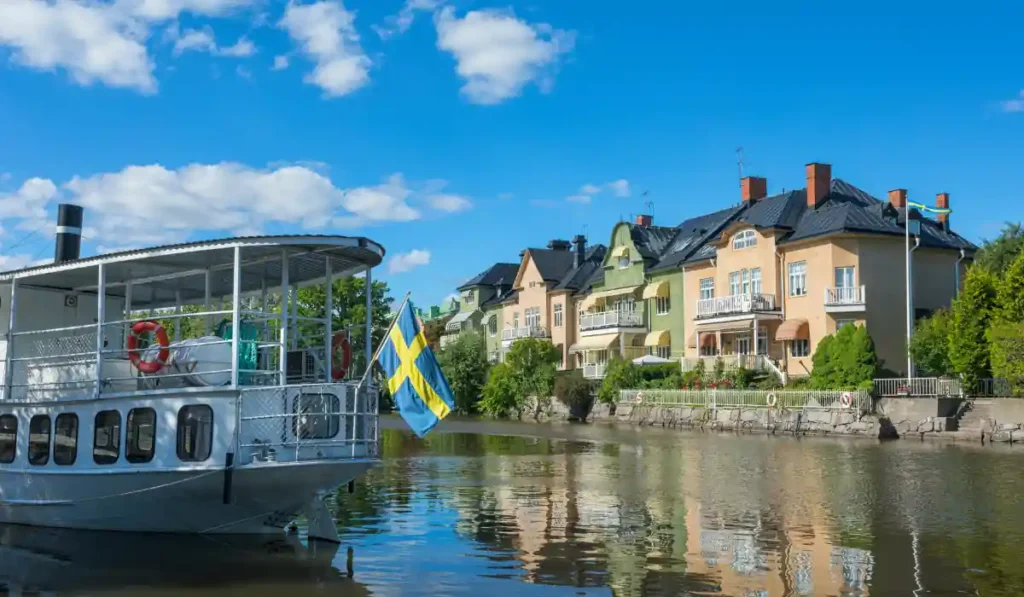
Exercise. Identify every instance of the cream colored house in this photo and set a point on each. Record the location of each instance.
(787, 270)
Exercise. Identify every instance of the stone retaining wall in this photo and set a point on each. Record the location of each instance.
(760, 419)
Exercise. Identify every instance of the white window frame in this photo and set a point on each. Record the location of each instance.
(557, 316)
(661, 305)
(515, 320)
(797, 272)
(492, 325)
(850, 282)
(664, 352)
(799, 348)
(735, 283)
(744, 239)
(755, 281)
(707, 288)
(532, 313)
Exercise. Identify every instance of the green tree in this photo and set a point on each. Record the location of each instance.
(1010, 292)
(996, 255)
(824, 364)
(464, 362)
(620, 375)
(502, 396)
(1006, 343)
(535, 363)
(929, 345)
(572, 390)
(972, 314)
(846, 359)
(433, 330)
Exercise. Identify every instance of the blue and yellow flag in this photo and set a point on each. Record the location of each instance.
(415, 379)
(934, 210)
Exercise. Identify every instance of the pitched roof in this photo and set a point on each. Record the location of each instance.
(691, 234)
(496, 275)
(552, 263)
(581, 278)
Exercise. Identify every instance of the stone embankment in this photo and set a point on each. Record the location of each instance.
(752, 419)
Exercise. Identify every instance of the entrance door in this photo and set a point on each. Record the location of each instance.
(742, 344)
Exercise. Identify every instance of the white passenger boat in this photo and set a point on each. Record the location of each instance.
(236, 421)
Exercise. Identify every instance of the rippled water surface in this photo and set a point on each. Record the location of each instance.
(481, 508)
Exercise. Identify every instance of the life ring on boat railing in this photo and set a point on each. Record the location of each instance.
(771, 400)
(134, 355)
(340, 348)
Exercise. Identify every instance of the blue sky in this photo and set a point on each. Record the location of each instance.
(455, 133)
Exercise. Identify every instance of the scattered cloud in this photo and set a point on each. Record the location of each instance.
(448, 202)
(280, 63)
(29, 201)
(326, 34)
(400, 23)
(498, 54)
(14, 262)
(243, 73)
(203, 40)
(404, 262)
(578, 198)
(620, 187)
(590, 189)
(164, 10)
(1014, 105)
(381, 203)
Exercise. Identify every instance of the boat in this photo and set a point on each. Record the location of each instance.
(178, 389)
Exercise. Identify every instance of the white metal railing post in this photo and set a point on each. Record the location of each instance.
(285, 289)
(207, 322)
(177, 311)
(328, 319)
(101, 309)
(236, 307)
(9, 353)
(127, 312)
(369, 319)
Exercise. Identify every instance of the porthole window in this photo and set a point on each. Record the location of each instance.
(140, 435)
(8, 438)
(39, 440)
(106, 444)
(195, 433)
(65, 439)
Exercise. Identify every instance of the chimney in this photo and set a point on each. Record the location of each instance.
(942, 202)
(559, 245)
(753, 188)
(819, 181)
(580, 244)
(522, 254)
(69, 233)
(644, 220)
(898, 198)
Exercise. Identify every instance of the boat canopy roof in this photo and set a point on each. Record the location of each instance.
(176, 274)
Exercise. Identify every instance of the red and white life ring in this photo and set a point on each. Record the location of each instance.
(340, 348)
(846, 399)
(134, 355)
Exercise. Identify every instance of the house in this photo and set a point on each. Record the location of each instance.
(787, 270)
(542, 303)
(479, 297)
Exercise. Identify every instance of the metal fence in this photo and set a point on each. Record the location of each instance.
(729, 398)
(943, 387)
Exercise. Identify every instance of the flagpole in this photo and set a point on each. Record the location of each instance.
(369, 365)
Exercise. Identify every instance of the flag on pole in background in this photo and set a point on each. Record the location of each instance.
(934, 210)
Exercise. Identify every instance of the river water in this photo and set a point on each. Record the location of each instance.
(488, 508)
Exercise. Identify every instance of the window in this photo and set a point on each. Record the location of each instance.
(558, 316)
(745, 282)
(106, 443)
(8, 438)
(65, 439)
(844, 277)
(800, 348)
(734, 283)
(533, 317)
(468, 297)
(195, 433)
(39, 440)
(664, 352)
(140, 435)
(742, 240)
(755, 281)
(707, 288)
(841, 322)
(319, 416)
(515, 320)
(661, 305)
(623, 262)
(492, 325)
(798, 278)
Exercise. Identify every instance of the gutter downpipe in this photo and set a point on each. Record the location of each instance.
(956, 274)
(682, 359)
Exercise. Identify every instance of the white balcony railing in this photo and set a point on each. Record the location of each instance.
(847, 295)
(536, 331)
(594, 370)
(735, 304)
(611, 319)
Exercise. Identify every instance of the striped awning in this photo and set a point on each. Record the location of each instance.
(456, 322)
(599, 342)
(658, 338)
(656, 290)
(589, 302)
(793, 329)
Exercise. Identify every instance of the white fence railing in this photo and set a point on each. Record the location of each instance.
(924, 387)
(729, 361)
(737, 303)
(729, 398)
(848, 295)
(594, 370)
(536, 331)
(610, 319)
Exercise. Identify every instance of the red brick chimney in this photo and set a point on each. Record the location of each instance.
(819, 180)
(942, 201)
(644, 220)
(753, 188)
(898, 198)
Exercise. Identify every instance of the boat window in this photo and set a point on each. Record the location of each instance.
(8, 438)
(65, 439)
(195, 433)
(106, 445)
(39, 440)
(140, 435)
(318, 416)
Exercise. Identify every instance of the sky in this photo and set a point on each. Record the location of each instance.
(458, 132)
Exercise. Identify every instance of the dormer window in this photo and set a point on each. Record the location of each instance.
(742, 240)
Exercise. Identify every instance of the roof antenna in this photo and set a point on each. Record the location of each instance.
(739, 163)
(648, 205)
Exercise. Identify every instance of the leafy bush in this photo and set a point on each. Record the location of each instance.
(741, 377)
(572, 390)
(1007, 351)
(535, 363)
(844, 360)
(929, 346)
(769, 382)
(464, 362)
(692, 379)
(972, 314)
(502, 394)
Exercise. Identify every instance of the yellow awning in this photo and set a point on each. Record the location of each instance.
(622, 251)
(599, 342)
(594, 297)
(730, 326)
(659, 338)
(656, 289)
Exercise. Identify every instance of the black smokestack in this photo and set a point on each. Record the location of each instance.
(69, 233)
(581, 249)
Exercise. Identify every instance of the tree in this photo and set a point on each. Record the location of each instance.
(823, 364)
(929, 346)
(501, 393)
(433, 330)
(1010, 292)
(996, 255)
(572, 390)
(464, 362)
(1006, 344)
(620, 375)
(535, 363)
(972, 313)
(846, 359)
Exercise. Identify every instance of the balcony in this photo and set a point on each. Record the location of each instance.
(509, 335)
(737, 304)
(611, 319)
(594, 370)
(845, 299)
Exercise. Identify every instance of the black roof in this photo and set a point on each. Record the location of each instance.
(499, 297)
(499, 274)
(581, 278)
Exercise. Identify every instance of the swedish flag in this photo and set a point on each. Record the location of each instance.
(934, 210)
(416, 381)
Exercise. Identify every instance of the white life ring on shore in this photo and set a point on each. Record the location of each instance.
(639, 398)
(771, 400)
(846, 399)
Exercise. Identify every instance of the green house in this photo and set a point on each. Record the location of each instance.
(480, 303)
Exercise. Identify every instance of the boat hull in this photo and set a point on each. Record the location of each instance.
(250, 499)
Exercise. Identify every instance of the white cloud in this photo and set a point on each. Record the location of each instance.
(578, 198)
(15, 262)
(384, 202)
(1014, 105)
(29, 201)
(590, 189)
(400, 23)
(586, 193)
(91, 41)
(241, 48)
(448, 202)
(620, 187)
(280, 63)
(326, 33)
(498, 54)
(203, 40)
(243, 73)
(163, 10)
(404, 262)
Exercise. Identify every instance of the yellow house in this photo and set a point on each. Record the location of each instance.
(787, 270)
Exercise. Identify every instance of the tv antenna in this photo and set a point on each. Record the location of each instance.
(648, 204)
(739, 162)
